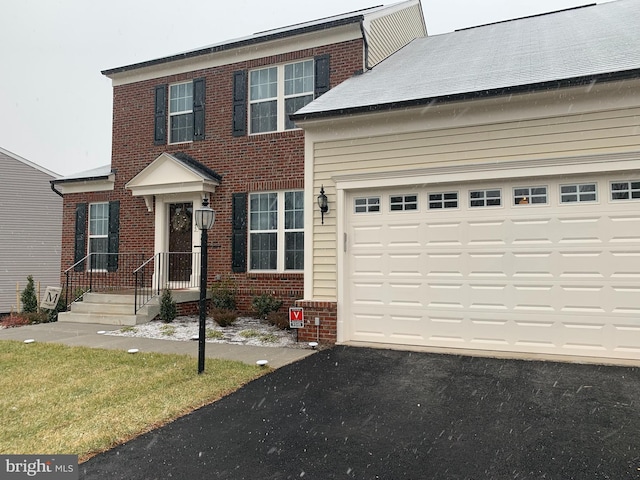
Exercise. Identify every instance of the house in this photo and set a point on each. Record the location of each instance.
(30, 228)
(484, 190)
(213, 122)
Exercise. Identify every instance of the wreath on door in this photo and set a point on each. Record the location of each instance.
(181, 222)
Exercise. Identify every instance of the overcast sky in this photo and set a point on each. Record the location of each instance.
(55, 105)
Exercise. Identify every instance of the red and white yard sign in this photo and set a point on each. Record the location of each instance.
(296, 317)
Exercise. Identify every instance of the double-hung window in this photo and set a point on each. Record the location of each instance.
(98, 235)
(278, 91)
(276, 231)
(181, 112)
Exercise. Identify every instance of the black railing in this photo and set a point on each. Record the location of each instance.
(173, 270)
(101, 272)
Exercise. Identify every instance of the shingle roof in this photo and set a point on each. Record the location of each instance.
(259, 37)
(546, 51)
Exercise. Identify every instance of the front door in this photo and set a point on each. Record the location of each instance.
(180, 241)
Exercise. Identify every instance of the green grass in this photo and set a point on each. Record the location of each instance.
(69, 400)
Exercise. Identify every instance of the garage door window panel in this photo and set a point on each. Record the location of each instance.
(367, 205)
(578, 193)
(625, 190)
(523, 196)
(399, 203)
(441, 201)
(485, 198)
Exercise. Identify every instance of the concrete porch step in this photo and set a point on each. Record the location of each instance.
(117, 308)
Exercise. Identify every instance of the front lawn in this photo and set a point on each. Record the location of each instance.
(56, 399)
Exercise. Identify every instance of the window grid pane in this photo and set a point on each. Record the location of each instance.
(443, 200)
(294, 251)
(485, 198)
(367, 205)
(403, 202)
(580, 192)
(98, 235)
(264, 251)
(529, 195)
(625, 190)
(293, 210)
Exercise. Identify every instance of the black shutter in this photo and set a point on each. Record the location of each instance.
(322, 75)
(80, 250)
(160, 119)
(198, 109)
(239, 103)
(239, 237)
(114, 236)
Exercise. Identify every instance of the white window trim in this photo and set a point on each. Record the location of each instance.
(443, 201)
(404, 203)
(279, 98)
(280, 234)
(90, 236)
(367, 205)
(578, 193)
(485, 190)
(173, 114)
(629, 190)
(529, 202)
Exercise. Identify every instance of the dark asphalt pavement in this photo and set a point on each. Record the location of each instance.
(362, 413)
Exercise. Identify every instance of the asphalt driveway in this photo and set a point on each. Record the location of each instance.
(377, 414)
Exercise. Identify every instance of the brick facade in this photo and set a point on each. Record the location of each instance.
(327, 313)
(251, 163)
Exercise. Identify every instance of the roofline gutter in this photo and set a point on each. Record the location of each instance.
(482, 94)
(236, 44)
(53, 187)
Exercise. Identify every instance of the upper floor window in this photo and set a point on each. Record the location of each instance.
(276, 231)
(275, 92)
(181, 112)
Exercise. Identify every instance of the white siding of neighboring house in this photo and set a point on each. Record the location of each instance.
(597, 128)
(389, 33)
(30, 228)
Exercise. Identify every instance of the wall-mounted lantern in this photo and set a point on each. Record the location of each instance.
(323, 203)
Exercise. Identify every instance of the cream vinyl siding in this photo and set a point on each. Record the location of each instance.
(391, 32)
(483, 144)
(30, 228)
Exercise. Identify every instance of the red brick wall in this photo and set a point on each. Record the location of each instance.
(327, 331)
(247, 164)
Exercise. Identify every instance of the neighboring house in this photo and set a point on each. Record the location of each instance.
(214, 123)
(484, 190)
(30, 228)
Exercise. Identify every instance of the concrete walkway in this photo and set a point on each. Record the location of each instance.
(86, 335)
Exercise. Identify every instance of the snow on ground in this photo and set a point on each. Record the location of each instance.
(245, 331)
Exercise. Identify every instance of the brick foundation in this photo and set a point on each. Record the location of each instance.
(327, 313)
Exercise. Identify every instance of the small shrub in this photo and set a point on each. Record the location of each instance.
(279, 319)
(60, 307)
(224, 318)
(264, 304)
(168, 310)
(168, 330)
(28, 297)
(214, 334)
(223, 295)
(37, 317)
(250, 333)
(268, 338)
(11, 321)
(129, 329)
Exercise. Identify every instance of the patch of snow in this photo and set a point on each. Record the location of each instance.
(244, 331)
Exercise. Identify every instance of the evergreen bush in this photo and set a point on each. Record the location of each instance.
(28, 297)
(168, 309)
(264, 304)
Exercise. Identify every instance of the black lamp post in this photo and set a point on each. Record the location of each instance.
(204, 220)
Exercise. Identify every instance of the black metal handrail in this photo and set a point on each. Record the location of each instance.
(100, 272)
(173, 270)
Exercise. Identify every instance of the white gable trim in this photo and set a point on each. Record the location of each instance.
(166, 175)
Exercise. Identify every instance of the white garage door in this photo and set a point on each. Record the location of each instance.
(545, 266)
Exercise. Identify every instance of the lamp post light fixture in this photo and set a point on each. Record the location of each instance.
(204, 218)
(323, 203)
